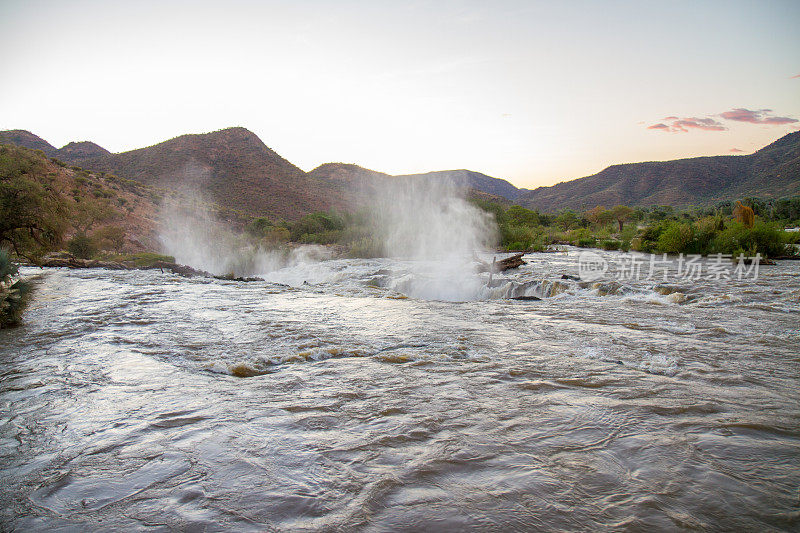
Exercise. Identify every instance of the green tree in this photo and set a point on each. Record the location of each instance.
(31, 213)
(82, 246)
(621, 213)
(520, 215)
(599, 216)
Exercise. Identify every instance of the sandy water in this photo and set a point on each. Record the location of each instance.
(358, 401)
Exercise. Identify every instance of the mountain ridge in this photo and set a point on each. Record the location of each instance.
(235, 169)
(772, 171)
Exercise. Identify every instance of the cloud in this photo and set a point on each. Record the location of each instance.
(761, 116)
(736, 151)
(685, 124)
(676, 124)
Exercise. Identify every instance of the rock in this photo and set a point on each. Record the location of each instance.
(231, 277)
(570, 276)
(181, 270)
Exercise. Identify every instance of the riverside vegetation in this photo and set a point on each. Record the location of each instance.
(723, 228)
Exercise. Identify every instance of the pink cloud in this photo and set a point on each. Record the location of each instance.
(740, 114)
(760, 116)
(685, 124)
(736, 151)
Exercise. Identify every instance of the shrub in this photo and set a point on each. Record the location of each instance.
(676, 238)
(316, 223)
(763, 238)
(259, 226)
(82, 246)
(109, 238)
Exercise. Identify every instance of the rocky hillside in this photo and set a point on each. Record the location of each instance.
(27, 139)
(356, 180)
(474, 180)
(773, 171)
(236, 170)
(78, 152)
(53, 202)
(231, 168)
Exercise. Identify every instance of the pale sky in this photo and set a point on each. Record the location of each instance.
(532, 92)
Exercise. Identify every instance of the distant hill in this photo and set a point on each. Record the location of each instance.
(773, 171)
(474, 180)
(90, 202)
(355, 178)
(77, 152)
(348, 177)
(27, 139)
(235, 169)
(230, 167)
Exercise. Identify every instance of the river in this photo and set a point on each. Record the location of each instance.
(351, 395)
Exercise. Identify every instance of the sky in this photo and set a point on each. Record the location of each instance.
(532, 92)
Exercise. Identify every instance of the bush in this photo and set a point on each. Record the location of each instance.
(764, 238)
(322, 237)
(588, 242)
(676, 238)
(611, 245)
(259, 226)
(109, 238)
(82, 246)
(316, 223)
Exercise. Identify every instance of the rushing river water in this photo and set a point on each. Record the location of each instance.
(147, 401)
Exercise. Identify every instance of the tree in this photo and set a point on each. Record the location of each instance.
(744, 214)
(621, 213)
(520, 215)
(31, 213)
(567, 219)
(599, 216)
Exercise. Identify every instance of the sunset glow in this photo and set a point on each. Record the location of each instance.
(532, 92)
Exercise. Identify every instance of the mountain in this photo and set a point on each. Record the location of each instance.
(773, 171)
(473, 180)
(230, 167)
(236, 170)
(27, 139)
(348, 177)
(356, 179)
(77, 152)
(57, 199)
(73, 152)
